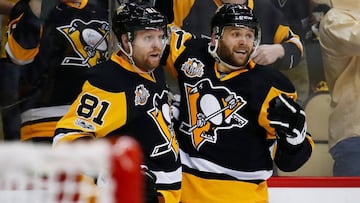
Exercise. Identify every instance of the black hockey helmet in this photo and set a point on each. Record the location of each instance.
(234, 15)
(130, 17)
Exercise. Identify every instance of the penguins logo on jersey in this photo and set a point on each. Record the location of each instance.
(215, 108)
(161, 114)
(89, 41)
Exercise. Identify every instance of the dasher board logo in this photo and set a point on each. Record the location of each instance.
(89, 40)
(211, 109)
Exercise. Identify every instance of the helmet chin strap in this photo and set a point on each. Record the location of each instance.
(212, 50)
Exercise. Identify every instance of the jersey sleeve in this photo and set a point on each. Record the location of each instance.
(290, 160)
(292, 45)
(275, 29)
(25, 30)
(176, 47)
(93, 114)
(286, 159)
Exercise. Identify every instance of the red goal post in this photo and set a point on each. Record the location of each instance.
(67, 173)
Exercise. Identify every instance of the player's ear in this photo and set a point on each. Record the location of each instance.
(124, 42)
(213, 39)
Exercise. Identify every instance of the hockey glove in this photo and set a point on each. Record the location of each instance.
(149, 185)
(288, 119)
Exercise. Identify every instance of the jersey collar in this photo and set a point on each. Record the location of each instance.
(219, 75)
(128, 66)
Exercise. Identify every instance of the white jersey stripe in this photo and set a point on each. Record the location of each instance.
(207, 166)
(44, 112)
(168, 177)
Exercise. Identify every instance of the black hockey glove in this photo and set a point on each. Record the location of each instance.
(149, 185)
(288, 119)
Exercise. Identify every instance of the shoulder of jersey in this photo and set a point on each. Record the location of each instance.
(109, 76)
(273, 77)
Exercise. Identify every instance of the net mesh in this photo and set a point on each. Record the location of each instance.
(70, 173)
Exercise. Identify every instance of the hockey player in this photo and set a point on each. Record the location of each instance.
(236, 117)
(24, 32)
(128, 95)
(280, 46)
(18, 48)
(75, 38)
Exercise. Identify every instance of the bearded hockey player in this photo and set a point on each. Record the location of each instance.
(128, 95)
(235, 117)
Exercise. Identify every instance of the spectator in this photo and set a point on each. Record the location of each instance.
(235, 116)
(128, 95)
(297, 14)
(76, 37)
(24, 15)
(24, 33)
(340, 45)
(8, 79)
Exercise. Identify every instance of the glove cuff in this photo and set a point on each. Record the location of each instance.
(291, 143)
(296, 140)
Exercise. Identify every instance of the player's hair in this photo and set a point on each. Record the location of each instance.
(130, 17)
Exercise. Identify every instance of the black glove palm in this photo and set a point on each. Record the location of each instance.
(288, 119)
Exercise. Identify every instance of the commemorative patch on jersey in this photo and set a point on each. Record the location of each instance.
(141, 95)
(84, 124)
(193, 68)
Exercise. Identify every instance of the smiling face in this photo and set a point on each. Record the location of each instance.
(147, 48)
(235, 45)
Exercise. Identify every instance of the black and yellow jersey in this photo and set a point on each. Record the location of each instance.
(117, 100)
(228, 157)
(195, 16)
(25, 30)
(76, 37)
(4, 20)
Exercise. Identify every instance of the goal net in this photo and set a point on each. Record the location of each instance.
(88, 172)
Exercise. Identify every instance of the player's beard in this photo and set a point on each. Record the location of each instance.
(228, 56)
(146, 61)
(152, 63)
